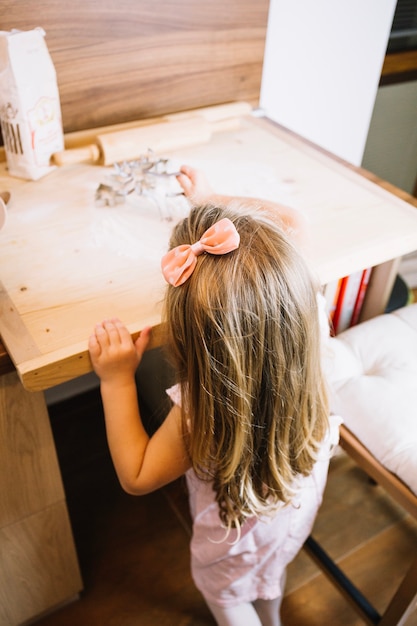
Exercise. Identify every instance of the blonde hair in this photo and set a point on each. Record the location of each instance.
(243, 332)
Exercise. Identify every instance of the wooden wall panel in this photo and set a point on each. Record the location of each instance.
(123, 60)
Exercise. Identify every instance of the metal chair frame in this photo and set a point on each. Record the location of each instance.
(404, 601)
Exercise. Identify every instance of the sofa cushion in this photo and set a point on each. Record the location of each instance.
(372, 371)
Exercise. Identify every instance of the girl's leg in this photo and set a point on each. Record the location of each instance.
(268, 611)
(240, 615)
(258, 613)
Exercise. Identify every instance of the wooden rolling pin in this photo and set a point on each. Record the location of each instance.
(168, 133)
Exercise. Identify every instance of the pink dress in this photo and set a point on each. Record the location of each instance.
(230, 572)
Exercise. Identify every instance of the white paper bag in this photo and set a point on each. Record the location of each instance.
(30, 111)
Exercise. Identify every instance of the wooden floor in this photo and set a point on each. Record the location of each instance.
(134, 551)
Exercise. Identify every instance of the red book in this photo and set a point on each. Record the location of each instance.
(366, 274)
(338, 309)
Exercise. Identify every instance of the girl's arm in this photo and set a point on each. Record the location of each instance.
(198, 190)
(142, 463)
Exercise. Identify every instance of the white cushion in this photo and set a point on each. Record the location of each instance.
(372, 370)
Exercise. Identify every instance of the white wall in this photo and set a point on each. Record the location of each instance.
(323, 61)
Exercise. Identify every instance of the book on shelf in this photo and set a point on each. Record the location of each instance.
(366, 274)
(344, 299)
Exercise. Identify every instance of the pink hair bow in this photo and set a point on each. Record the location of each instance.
(179, 263)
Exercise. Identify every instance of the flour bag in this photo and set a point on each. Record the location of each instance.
(30, 110)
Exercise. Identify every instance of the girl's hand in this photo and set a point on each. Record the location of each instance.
(194, 184)
(114, 355)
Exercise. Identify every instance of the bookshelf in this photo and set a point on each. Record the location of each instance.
(370, 295)
(345, 298)
(353, 299)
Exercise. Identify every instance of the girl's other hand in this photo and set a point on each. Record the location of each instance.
(113, 353)
(194, 184)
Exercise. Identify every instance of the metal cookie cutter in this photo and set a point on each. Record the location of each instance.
(106, 195)
(148, 176)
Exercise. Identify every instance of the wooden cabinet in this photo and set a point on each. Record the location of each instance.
(39, 567)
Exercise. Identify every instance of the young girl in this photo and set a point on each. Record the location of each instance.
(249, 424)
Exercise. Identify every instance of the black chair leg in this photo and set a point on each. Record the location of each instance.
(342, 582)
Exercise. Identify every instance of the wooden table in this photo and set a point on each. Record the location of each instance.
(66, 263)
